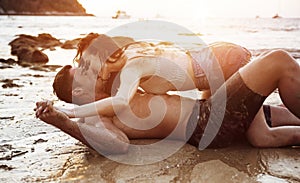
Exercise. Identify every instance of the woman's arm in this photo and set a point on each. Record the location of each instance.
(130, 79)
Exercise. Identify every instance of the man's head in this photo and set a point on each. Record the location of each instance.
(72, 87)
(62, 85)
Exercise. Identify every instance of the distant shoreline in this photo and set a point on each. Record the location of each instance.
(47, 14)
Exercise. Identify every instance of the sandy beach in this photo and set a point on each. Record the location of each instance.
(33, 151)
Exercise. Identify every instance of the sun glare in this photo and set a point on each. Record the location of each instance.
(148, 9)
(194, 8)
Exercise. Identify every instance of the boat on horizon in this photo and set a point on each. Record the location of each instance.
(121, 15)
(276, 16)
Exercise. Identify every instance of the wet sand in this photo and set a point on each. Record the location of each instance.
(32, 151)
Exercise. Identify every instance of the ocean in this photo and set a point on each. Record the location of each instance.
(253, 33)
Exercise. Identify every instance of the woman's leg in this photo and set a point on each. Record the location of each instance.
(260, 134)
(281, 116)
(276, 69)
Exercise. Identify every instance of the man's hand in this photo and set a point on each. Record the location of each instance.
(107, 138)
(46, 112)
(42, 107)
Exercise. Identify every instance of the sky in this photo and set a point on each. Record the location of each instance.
(194, 8)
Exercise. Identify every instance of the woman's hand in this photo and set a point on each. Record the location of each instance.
(69, 112)
(46, 106)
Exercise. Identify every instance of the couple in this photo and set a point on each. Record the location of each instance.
(183, 118)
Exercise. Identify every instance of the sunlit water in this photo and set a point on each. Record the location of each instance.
(249, 32)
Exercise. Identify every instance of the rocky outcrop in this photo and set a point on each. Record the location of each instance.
(71, 44)
(241, 163)
(41, 7)
(29, 48)
(122, 40)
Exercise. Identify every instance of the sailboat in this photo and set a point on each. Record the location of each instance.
(121, 15)
(276, 16)
(278, 10)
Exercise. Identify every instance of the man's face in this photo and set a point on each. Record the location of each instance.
(91, 86)
(85, 79)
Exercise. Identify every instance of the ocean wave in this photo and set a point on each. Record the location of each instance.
(286, 29)
(261, 25)
(261, 29)
(293, 51)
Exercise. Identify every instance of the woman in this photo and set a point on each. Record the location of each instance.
(157, 69)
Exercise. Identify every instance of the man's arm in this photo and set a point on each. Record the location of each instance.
(103, 137)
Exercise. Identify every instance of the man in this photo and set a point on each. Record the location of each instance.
(246, 91)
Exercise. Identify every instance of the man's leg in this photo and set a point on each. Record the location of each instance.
(260, 134)
(281, 116)
(276, 69)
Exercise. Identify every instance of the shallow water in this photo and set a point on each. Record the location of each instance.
(249, 32)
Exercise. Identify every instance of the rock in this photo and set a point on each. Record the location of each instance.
(47, 41)
(34, 75)
(41, 7)
(52, 67)
(70, 44)
(284, 163)
(31, 55)
(39, 141)
(8, 83)
(11, 85)
(10, 118)
(9, 95)
(5, 67)
(43, 40)
(38, 68)
(122, 40)
(188, 164)
(9, 61)
(8, 152)
(6, 167)
(29, 48)
(202, 173)
(38, 76)
(25, 64)
(39, 57)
